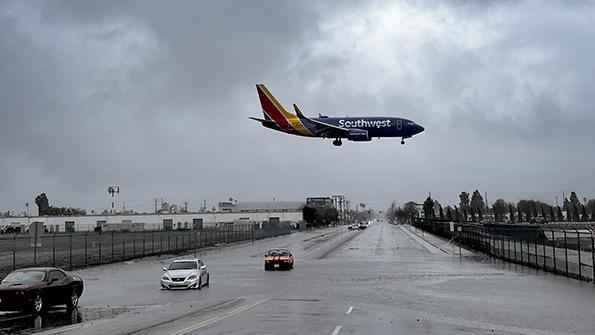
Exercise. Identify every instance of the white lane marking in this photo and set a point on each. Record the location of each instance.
(217, 318)
(349, 310)
(337, 330)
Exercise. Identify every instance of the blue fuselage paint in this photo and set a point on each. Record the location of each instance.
(375, 126)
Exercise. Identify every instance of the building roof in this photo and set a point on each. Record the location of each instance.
(269, 206)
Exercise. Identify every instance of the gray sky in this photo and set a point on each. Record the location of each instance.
(155, 98)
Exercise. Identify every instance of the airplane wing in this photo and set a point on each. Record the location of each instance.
(321, 128)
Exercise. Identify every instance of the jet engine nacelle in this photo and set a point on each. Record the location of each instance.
(358, 135)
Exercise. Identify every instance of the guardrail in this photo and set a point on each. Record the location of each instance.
(72, 250)
(566, 250)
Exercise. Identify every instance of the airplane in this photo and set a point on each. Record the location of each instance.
(358, 129)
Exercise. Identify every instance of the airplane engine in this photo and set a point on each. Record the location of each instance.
(358, 135)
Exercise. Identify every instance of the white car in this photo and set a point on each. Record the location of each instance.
(185, 273)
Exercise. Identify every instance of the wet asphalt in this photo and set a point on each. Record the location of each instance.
(383, 280)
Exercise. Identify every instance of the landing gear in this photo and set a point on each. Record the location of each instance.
(337, 142)
(403, 142)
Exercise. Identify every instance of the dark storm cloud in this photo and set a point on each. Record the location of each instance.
(154, 96)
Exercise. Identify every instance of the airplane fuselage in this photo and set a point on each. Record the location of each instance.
(377, 126)
(358, 129)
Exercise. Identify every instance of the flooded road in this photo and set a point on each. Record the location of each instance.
(383, 280)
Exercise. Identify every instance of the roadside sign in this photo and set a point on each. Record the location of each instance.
(459, 228)
(36, 231)
(452, 226)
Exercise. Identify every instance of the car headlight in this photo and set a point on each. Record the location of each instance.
(164, 277)
(191, 277)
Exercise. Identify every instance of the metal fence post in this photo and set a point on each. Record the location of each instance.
(592, 255)
(70, 243)
(100, 238)
(554, 250)
(544, 256)
(112, 245)
(536, 256)
(578, 241)
(144, 235)
(14, 252)
(565, 251)
(54, 250)
(123, 248)
(133, 244)
(86, 233)
(514, 246)
(153, 241)
(521, 245)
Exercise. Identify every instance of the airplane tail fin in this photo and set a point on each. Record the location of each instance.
(271, 108)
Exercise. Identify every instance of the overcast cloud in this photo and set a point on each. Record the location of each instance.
(154, 97)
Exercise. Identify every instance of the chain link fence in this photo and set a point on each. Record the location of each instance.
(73, 250)
(567, 249)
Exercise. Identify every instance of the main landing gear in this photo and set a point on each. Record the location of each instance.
(337, 142)
(403, 139)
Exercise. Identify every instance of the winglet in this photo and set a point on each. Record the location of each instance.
(299, 112)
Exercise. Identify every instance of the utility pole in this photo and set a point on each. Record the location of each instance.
(204, 205)
(186, 206)
(155, 201)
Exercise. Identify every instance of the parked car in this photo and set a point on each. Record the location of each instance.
(35, 289)
(185, 273)
(278, 258)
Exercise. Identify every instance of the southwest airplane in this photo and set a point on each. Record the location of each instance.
(352, 128)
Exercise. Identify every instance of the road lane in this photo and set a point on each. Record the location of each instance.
(388, 281)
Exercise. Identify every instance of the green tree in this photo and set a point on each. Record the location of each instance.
(441, 212)
(511, 209)
(411, 209)
(574, 201)
(477, 203)
(449, 213)
(43, 204)
(310, 214)
(552, 214)
(520, 213)
(575, 215)
(591, 208)
(429, 208)
(464, 202)
(584, 215)
(566, 206)
(560, 216)
(457, 215)
(500, 207)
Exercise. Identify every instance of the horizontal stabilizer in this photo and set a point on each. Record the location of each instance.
(257, 119)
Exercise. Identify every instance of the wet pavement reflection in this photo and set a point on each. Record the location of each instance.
(26, 323)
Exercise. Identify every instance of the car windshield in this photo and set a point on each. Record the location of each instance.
(24, 277)
(189, 265)
(278, 253)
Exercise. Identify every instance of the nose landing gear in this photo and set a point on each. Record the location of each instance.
(402, 142)
(337, 142)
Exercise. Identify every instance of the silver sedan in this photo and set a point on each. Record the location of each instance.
(185, 273)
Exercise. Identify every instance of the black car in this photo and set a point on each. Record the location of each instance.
(35, 289)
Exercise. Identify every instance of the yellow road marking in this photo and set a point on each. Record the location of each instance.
(217, 318)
